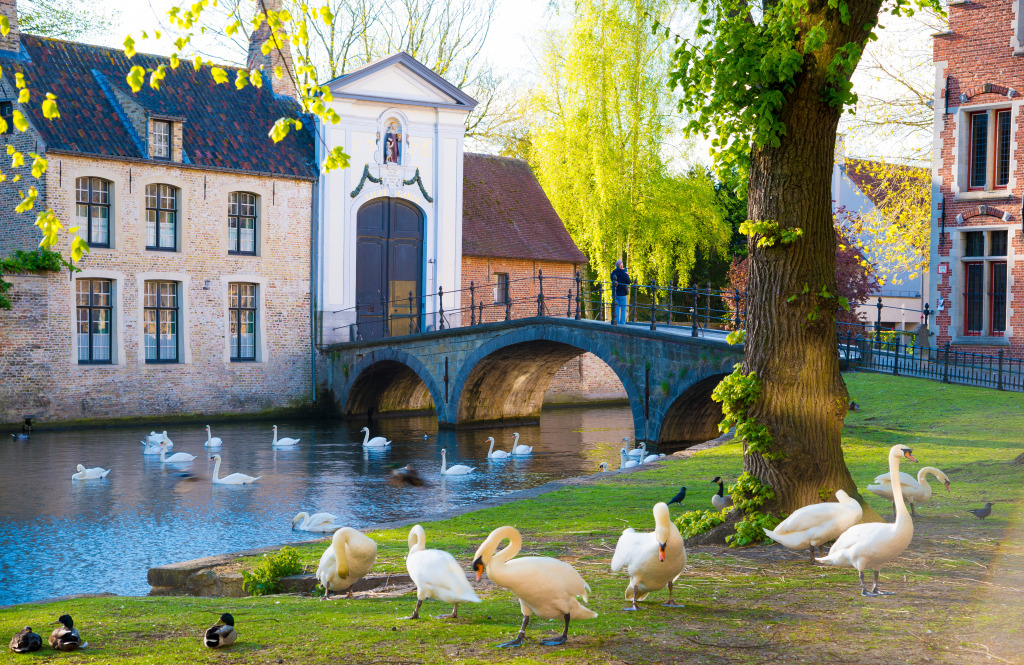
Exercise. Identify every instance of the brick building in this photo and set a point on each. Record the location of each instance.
(977, 283)
(195, 296)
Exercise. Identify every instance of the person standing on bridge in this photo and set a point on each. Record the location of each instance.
(620, 299)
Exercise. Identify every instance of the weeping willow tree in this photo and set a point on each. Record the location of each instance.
(601, 117)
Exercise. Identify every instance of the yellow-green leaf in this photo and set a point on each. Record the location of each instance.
(129, 46)
(255, 78)
(241, 79)
(19, 121)
(5, 26)
(23, 96)
(219, 75)
(136, 77)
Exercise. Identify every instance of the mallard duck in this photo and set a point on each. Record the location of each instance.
(222, 633)
(66, 638)
(25, 641)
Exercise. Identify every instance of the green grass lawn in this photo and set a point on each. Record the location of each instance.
(958, 585)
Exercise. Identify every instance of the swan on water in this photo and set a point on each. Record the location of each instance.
(375, 442)
(814, 525)
(152, 443)
(719, 500)
(520, 449)
(871, 546)
(652, 559)
(546, 587)
(212, 441)
(66, 637)
(624, 461)
(318, 522)
(456, 470)
(233, 479)
(176, 458)
(284, 442)
(914, 490)
(90, 474)
(348, 559)
(496, 454)
(436, 574)
(222, 633)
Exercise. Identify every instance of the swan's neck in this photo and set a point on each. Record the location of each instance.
(366, 437)
(496, 563)
(444, 463)
(491, 449)
(216, 468)
(643, 447)
(340, 555)
(516, 442)
(902, 514)
(275, 435)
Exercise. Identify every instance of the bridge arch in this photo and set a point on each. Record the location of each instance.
(388, 380)
(689, 415)
(505, 378)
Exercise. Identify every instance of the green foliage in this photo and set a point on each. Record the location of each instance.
(38, 260)
(601, 120)
(737, 393)
(749, 496)
(750, 530)
(736, 337)
(263, 579)
(666, 387)
(768, 233)
(695, 522)
(825, 493)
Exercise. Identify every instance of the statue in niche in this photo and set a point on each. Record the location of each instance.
(393, 143)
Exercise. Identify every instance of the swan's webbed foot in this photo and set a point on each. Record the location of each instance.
(869, 594)
(671, 602)
(520, 637)
(875, 591)
(634, 607)
(454, 614)
(555, 641)
(415, 613)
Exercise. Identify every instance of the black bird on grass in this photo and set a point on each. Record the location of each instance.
(678, 498)
(219, 635)
(25, 641)
(66, 638)
(982, 513)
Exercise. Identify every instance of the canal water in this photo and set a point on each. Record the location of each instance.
(59, 536)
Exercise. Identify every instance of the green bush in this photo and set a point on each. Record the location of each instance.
(750, 530)
(265, 577)
(696, 522)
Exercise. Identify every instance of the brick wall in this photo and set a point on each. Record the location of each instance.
(39, 362)
(584, 379)
(18, 231)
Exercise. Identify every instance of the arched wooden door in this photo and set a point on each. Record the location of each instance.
(389, 267)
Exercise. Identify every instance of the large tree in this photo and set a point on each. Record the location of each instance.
(767, 81)
(601, 116)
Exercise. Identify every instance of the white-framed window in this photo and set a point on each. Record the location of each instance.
(94, 309)
(160, 322)
(161, 139)
(161, 217)
(988, 140)
(984, 294)
(242, 212)
(92, 210)
(242, 310)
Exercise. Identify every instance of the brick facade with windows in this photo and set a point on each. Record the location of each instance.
(977, 281)
(162, 320)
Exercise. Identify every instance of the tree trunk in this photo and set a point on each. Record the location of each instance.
(803, 396)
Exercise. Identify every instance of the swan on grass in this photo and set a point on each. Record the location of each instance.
(652, 559)
(624, 461)
(645, 458)
(603, 466)
(176, 458)
(635, 451)
(719, 500)
(283, 442)
(456, 470)
(348, 559)
(871, 546)
(375, 442)
(496, 454)
(546, 587)
(915, 491)
(813, 526)
(436, 574)
(212, 441)
(520, 449)
(233, 479)
(94, 473)
(318, 522)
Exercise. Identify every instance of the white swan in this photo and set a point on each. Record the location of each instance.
(211, 441)
(633, 451)
(457, 470)
(871, 546)
(319, 522)
(645, 458)
(151, 445)
(283, 442)
(233, 479)
(624, 461)
(520, 449)
(719, 500)
(914, 490)
(375, 442)
(652, 559)
(436, 574)
(496, 454)
(90, 474)
(348, 559)
(167, 440)
(546, 587)
(603, 466)
(814, 525)
(175, 458)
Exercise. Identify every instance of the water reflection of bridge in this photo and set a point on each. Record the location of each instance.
(498, 372)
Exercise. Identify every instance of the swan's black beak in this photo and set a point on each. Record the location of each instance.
(906, 453)
(661, 551)
(478, 566)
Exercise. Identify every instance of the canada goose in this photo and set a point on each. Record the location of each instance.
(348, 559)
(222, 633)
(66, 637)
(871, 546)
(652, 559)
(814, 525)
(982, 513)
(436, 574)
(284, 442)
(719, 500)
(25, 641)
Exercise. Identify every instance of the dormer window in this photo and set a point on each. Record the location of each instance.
(7, 113)
(161, 139)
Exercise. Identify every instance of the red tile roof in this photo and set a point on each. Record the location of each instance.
(505, 213)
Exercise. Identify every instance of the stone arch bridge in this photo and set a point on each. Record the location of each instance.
(496, 373)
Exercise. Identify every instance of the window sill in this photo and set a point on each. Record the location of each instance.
(994, 195)
(161, 249)
(980, 341)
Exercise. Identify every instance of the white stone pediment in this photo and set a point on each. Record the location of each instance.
(400, 79)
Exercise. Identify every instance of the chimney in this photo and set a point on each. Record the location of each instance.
(279, 56)
(12, 42)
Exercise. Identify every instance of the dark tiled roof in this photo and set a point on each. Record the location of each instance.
(505, 213)
(223, 128)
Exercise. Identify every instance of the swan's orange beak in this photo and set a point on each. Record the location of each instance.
(946, 483)
(906, 453)
(478, 566)
(661, 551)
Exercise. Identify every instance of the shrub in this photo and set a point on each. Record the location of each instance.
(264, 578)
(696, 522)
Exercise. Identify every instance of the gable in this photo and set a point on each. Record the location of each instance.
(400, 79)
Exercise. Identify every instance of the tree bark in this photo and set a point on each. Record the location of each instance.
(803, 397)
